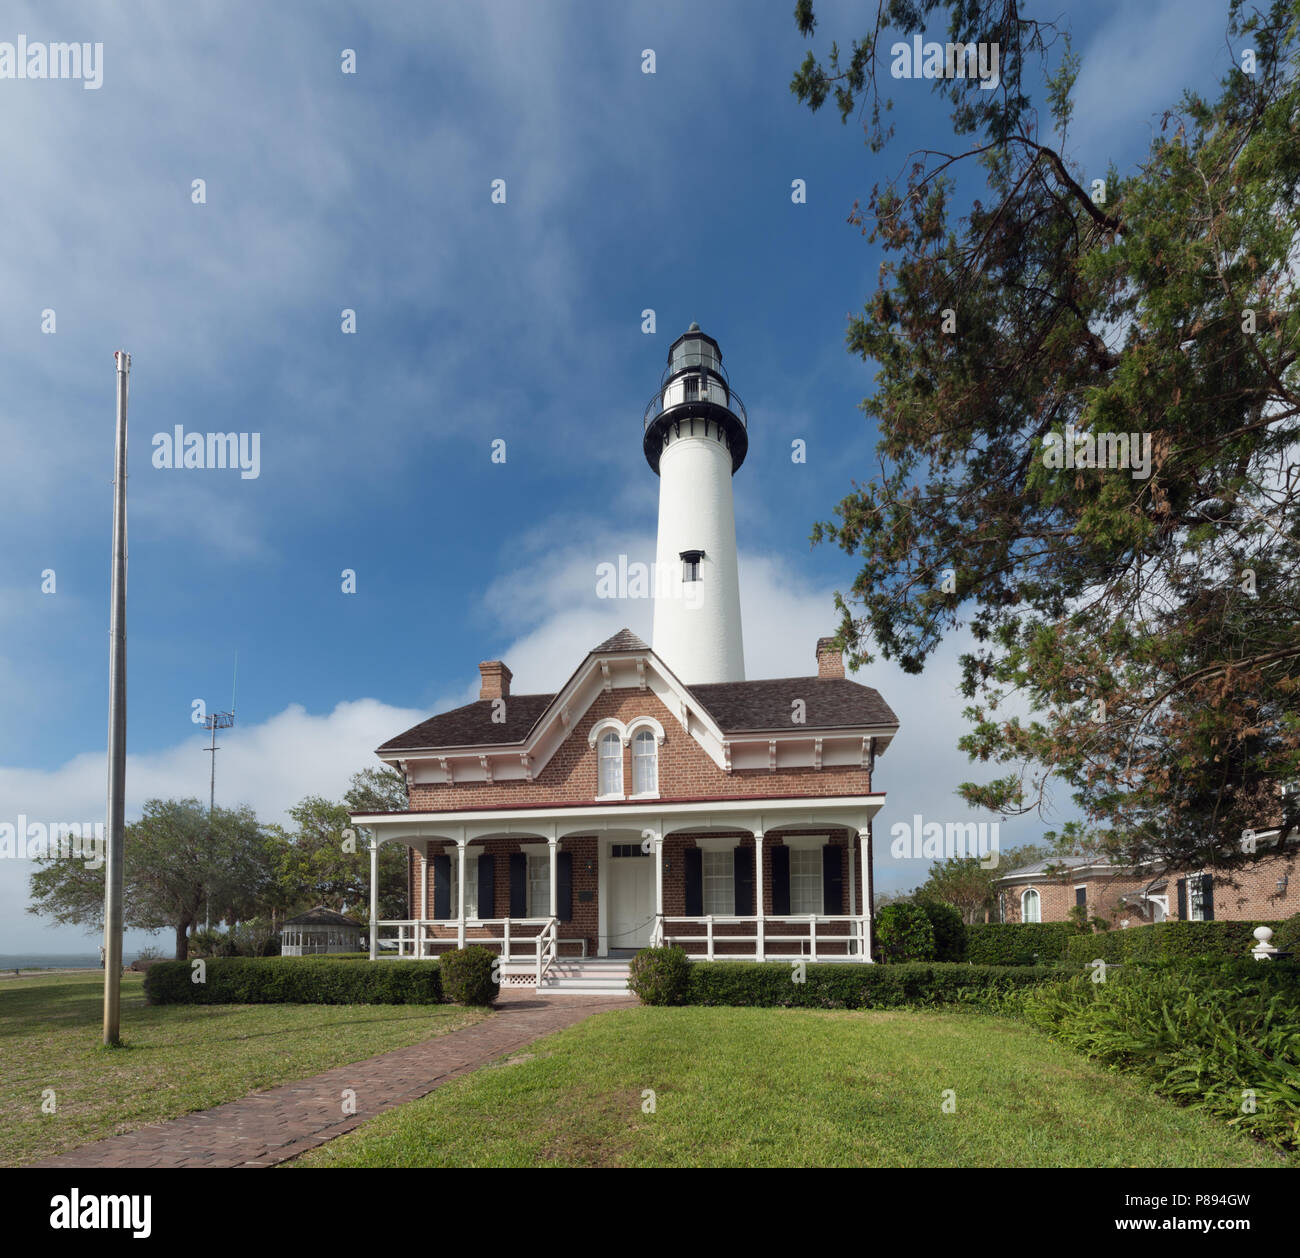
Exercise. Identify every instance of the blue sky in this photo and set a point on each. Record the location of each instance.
(475, 322)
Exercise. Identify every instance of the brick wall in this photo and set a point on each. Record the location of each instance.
(685, 771)
(1240, 895)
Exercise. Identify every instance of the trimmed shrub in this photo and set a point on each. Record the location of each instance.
(295, 981)
(827, 985)
(1170, 942)
(660, 976)
(1205, 1036)
(1286, 937)
(903, 933)
(467, 975)
(949, 930)
(1019, 943)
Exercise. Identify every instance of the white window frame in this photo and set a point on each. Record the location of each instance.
(807, 854)
(1038, 905)
(603, 740)
(642, 736)
(723, 878)
(533, 886)
(471, 885)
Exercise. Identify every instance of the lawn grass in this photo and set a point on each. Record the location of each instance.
(176, 1058)
(781, 1087)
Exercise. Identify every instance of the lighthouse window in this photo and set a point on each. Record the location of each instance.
(691, 564)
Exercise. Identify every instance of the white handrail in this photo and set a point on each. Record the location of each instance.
(548, 947)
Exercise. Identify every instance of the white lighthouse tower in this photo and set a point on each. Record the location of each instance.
(695, 439)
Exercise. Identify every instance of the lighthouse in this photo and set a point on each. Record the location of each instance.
(695, 437)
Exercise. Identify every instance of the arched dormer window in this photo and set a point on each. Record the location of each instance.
(645, 762)
(610, 764)
(1029, 906)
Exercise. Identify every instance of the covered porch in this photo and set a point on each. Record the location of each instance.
(769, 880)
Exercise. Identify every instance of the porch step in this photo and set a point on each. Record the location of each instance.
(587, 976)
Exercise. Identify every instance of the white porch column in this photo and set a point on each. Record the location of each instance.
(460, 893)
(374, 897)
(864, 837)
(853, 879)
(759, 945)
(658, 841)
(552, 846)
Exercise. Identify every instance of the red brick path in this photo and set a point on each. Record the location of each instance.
(273, 1126)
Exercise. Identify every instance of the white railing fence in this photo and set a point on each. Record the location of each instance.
(849, 943)
(515, 938)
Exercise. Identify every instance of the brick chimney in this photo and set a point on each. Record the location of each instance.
(830, 660)
(496, 680)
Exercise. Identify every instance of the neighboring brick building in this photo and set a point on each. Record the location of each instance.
(1126, 896)
(658, 796)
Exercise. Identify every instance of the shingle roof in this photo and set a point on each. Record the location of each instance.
(472, 725)
(831, 702)
(738, 707)
(623, 640)
(321, 916)
(1059, 862)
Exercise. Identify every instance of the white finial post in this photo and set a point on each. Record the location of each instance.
(1263, 949)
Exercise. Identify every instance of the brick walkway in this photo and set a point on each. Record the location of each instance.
(273, 1126)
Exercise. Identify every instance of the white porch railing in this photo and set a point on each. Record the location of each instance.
(548, 948)
(850, 944)
(511, 936)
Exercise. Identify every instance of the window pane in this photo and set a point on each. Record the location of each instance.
(645, 769)
(719, 883)
(539, 885)
(471, 884)
(611, 764)
(805, 880)
(1031, 906)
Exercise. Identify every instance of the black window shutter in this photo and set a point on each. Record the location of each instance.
(693, 867)
(832, 879)
(743, 881)
(564, 886)
(486, 886)
(781, 880)
(442, 886)
(1182, 899)
(1207, 897)
(518, 884)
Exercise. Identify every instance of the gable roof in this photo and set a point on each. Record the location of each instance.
(623, 640)
(832, 703)
(735, 707)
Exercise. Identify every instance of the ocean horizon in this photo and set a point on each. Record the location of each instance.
(53, 960)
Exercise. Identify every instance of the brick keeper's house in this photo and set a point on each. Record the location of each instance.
(658, 797)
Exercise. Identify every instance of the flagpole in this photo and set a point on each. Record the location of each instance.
(116, 727)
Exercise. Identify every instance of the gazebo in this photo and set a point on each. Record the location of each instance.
(319, 930)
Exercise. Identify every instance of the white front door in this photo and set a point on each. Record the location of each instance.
(630, 885)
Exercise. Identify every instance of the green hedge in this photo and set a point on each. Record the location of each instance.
(1168, 941)
(1016, 943)
(295, 981)
(857, 986)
